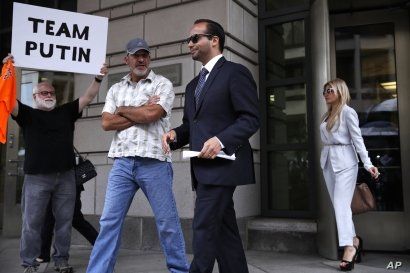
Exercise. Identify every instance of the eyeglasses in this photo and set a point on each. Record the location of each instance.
(328, 91)
(195, 38)
(46, 93)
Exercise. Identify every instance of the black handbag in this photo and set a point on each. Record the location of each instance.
(84, 169)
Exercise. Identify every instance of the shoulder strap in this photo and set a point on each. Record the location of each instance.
(77, 153)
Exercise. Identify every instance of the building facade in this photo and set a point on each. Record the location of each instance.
(291, 48)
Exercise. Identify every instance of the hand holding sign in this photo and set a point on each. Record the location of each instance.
(9, 56)
(93, 89)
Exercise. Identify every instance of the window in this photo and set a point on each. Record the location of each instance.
(286, 180)
(286, 114)
(366, 60)
(285, 50)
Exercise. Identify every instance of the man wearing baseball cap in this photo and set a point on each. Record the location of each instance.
(138, 110)
(137, 44)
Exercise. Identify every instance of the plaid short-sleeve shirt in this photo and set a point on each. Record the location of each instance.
(142, 140)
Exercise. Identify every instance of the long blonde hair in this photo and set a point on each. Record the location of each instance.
(342, 91)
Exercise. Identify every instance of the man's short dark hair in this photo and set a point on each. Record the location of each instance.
(215, 29)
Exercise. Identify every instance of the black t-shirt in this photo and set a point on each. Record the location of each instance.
(48, 137)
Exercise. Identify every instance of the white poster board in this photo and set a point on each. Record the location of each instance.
(56, 40)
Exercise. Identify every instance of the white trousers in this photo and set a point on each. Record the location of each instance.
(341, 187)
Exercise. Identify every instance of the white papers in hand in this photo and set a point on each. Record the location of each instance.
(189, 154)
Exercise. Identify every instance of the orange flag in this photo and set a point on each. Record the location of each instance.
(7, 96)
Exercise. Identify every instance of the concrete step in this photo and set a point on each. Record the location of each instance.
(282, 235)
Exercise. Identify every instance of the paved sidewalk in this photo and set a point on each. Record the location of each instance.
(134, 261)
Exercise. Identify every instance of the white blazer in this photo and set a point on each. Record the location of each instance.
(343, 142)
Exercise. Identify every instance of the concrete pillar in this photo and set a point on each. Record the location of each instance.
(326, 237)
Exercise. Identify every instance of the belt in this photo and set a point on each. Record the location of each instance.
(338, 144)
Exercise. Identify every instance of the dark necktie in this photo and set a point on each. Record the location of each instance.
(201, 83)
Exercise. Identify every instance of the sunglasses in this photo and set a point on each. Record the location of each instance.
(195, 38)
(328, 91)
(46, 93)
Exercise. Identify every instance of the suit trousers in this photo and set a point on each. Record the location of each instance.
(215, 232)
(341, 187)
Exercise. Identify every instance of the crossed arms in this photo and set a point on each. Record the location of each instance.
(127, 116)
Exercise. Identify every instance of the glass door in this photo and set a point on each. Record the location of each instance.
(369, 54)
(284, 94)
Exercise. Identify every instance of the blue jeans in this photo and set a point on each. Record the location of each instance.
(154, 177)
(38, 190)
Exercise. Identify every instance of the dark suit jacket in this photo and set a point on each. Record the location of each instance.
(227, 109)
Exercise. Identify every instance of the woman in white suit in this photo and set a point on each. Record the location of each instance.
(342, 140)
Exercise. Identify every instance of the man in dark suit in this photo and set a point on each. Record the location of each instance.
(220, 114)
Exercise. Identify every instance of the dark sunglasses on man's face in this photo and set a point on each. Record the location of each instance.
(328, 91)
(195, 38)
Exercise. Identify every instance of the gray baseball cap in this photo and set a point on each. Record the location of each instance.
(137, 44)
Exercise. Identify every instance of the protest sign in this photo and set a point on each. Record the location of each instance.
(51, 39)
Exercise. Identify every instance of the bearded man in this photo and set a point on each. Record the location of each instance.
(48, 132)
(139, 161)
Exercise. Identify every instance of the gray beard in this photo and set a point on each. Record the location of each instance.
(44, 105)
(140, 73)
